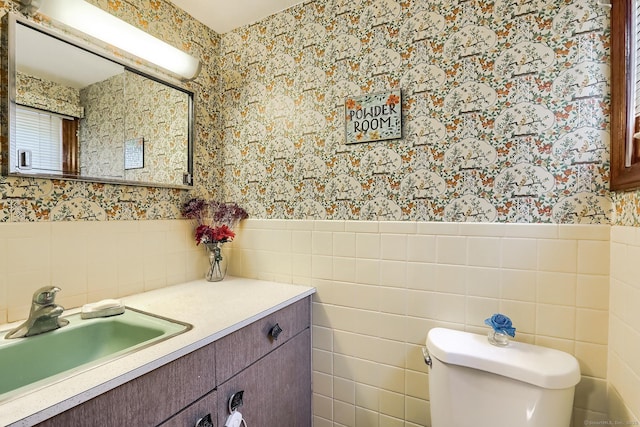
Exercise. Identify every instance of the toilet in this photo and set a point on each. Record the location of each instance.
(473, 383)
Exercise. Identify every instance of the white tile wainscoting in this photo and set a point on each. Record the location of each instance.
(381, 286)
(93, 260)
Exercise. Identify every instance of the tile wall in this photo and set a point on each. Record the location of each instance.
(624, 325)
(383, 285)
(93, 260)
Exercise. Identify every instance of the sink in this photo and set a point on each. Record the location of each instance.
(27, 364)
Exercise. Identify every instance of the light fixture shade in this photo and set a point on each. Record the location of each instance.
(102, 25)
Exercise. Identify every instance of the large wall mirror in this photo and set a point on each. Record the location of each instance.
(76, 114)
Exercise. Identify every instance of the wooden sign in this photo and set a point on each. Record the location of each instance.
(373, 117)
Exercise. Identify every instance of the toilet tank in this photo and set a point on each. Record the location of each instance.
(474, 383)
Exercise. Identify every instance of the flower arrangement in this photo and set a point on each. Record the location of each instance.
(214, 222)
(214, 219)
(501, 327)
(501, 323)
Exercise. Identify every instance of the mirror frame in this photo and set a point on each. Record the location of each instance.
(9, 47)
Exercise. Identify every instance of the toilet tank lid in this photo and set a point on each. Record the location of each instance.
(540, 366)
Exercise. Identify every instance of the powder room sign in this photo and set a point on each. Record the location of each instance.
(373, 117)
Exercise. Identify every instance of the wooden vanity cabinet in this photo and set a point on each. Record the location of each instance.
(238, 350)
(277, 388)
(149, 399)
(272, 368)
(275, 375)
(190, 416)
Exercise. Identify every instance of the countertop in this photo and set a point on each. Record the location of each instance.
(214, 309)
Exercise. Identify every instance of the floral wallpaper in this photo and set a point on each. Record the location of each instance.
(505, 111)
(129, 106)
(28, 199)
(101, 135)
(505, 116)
(35, 92)
(626, 208)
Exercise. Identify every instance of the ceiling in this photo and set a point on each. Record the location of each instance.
(223, 15)
(57, 61)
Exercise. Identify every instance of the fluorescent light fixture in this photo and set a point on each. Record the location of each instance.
(102, 25)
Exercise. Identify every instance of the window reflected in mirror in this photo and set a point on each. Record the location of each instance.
(46, 142)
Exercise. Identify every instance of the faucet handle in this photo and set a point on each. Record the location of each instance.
(45, 295)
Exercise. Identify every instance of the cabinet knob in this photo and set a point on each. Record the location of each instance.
(204, 421)
(275, 331)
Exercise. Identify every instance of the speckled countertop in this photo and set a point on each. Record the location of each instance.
(214, 310)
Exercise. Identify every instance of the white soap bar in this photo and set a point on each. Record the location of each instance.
(104, 308)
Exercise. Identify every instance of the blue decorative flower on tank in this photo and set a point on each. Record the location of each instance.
(501, 323)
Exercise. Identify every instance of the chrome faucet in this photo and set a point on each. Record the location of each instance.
(44, 315)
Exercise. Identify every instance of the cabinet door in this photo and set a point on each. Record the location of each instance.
(149, 399)
(277, 388)
(190, 416)
(241, 348)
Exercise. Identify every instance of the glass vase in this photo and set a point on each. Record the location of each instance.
(217, 262)
(498, 338)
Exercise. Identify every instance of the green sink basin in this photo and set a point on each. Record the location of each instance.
(37, 361)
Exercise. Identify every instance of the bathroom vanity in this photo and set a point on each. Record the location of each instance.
(250, 336)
